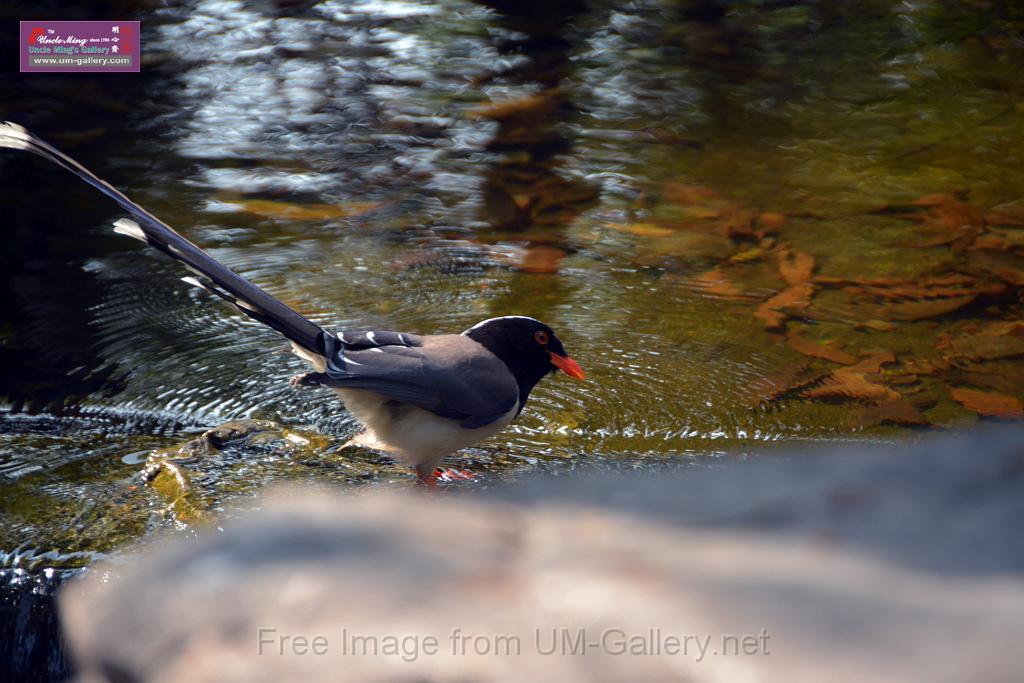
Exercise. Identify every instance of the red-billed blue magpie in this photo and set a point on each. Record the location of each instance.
(420, 397)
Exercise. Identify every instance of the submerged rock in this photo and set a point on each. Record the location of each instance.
(867, 566)
(166, 474)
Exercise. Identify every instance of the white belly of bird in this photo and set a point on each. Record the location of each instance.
(413, 435)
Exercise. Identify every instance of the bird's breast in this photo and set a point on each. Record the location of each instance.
(415, 435)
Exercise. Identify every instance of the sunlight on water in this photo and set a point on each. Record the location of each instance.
(731, 224)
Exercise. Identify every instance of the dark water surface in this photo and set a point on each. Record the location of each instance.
(781, 222)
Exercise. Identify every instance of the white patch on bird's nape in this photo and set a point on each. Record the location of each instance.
(503, 317)
(369, 335)
(14, 136)
(123, 226)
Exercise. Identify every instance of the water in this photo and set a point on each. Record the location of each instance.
(645, 179)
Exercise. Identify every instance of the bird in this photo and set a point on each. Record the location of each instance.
(419, 397)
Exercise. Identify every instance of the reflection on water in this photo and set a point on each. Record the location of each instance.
(523, 187)
(750, 222)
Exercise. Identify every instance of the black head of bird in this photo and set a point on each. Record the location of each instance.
(527, 346)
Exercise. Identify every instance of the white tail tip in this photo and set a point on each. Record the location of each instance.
(123, 226)
(14, 136)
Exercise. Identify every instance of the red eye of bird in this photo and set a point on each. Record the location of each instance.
(541, 336)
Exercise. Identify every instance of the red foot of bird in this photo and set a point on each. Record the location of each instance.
(447, 474)
(451, 474)
(427, 477)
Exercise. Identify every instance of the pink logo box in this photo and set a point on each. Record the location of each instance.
(79, 46)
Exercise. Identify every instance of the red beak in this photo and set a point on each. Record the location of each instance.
(567, 365)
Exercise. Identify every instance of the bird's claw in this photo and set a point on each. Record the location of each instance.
(449, 474)
(306, 379)
(430, 478)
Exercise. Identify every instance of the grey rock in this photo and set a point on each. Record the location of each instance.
(845, 566)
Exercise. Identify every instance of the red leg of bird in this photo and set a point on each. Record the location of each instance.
(452, 474)
(427, 477)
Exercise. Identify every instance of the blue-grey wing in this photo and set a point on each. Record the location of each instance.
(454, 377)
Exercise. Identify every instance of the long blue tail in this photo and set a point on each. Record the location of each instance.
(215, 276)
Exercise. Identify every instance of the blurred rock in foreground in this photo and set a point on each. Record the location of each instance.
(870, 566)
